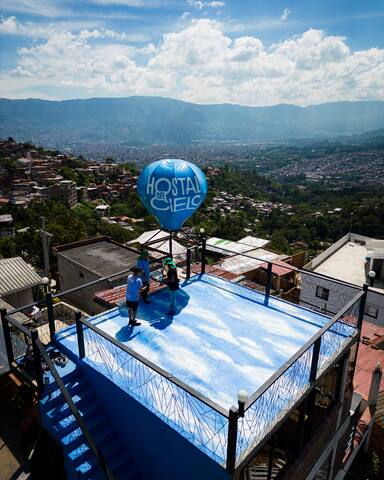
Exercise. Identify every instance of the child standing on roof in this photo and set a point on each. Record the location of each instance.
(172, 280)
(132, 295)
(145, 275)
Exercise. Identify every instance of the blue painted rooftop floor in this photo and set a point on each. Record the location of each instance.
(221, 339)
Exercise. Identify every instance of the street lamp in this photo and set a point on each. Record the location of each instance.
(242, 397)
(45, 281)
(371, 275)
(202, 231)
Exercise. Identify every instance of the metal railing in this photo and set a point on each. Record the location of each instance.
(27, 355)
(194, 416)
(224, 436)
(280, 394)
(82, 431)
(21, 350)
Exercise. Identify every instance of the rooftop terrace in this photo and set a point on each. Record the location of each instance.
(188, 368)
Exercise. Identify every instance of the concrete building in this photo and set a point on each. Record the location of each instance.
(344, 268)
(64, 191)
(82, 262)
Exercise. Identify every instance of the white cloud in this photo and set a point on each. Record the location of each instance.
(285, 15)
(10, 26)
(200, 4)
(130, 3)
(45, 8)
(200, 63)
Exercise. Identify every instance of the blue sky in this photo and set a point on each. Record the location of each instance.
(255, 52)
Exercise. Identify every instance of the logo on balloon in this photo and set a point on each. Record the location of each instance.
(172, 190)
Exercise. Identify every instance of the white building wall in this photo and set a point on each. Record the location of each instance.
(339, 295)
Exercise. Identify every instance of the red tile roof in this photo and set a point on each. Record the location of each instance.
(368, 357)
(214, 270)
(115, 296)
(279, 268)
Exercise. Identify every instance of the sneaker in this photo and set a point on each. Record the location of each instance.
(134, 324)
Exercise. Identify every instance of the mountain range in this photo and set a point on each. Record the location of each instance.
(156, 120)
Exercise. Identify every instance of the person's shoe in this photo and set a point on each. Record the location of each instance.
(134, 324)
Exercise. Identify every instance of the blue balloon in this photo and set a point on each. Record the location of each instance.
(172, 190)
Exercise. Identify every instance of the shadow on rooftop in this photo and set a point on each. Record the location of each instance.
(125, 334)
(156, 313)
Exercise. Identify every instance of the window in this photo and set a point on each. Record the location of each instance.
(371, 311)
(322, 292)
(81, 274)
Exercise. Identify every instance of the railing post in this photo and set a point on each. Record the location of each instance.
(37, 361)
(363, 300)
(203, 254)
(188, 275)
(269, 281)
(80, 335)
(315, 360)
(51, 317)
(232, 439)
(7, 336)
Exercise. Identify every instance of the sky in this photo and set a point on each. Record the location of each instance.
(248, 52)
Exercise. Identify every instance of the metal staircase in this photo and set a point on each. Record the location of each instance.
(60, 421)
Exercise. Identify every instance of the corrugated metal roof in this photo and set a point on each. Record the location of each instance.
(255, 242)
(151, 235)
(16, 275)
(242, 264)
(228, 247)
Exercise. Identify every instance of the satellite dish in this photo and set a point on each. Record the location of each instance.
(172, 190)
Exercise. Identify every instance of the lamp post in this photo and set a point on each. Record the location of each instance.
(203, 246)
(371, 275)
(242, 397)
(48, 300)
(44, 283)
(234, 415)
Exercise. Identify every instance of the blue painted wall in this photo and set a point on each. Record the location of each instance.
(159, 451)
(70, 472)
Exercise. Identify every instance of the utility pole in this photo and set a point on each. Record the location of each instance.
(350, 224)
(46, 239)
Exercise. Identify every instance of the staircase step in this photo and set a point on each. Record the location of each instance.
(95, 473)
(71, 437)
(81, 454)
(83, 405)
(85, 469)
(121, 462)
(126, 471)
(59, 401)
(65, 425)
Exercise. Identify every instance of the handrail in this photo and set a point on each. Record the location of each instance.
(74, 410)
(159, 370)
(300, 270)
(300, 352)
(89, 284)
(18, 325)
(26, 307)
